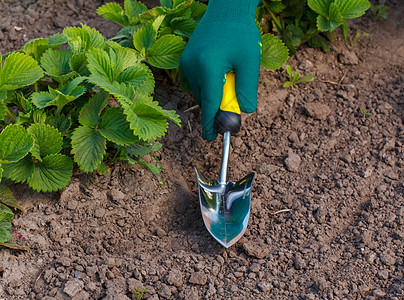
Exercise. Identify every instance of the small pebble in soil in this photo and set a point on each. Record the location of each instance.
(175, 277)
(73, 287)
(348, 58)
(317, 110)
(292, 162)
(199, 278)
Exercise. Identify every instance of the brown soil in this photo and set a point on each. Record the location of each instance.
(327, 217)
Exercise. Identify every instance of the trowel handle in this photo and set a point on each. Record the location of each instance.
(228, 117)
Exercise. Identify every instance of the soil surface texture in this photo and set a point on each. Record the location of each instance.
(327, 214)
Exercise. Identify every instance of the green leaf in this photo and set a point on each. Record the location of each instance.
(114, 127)
(144, 37)
(52, 174)
(57, 40)
(15, 143)
(18, 99)
(73, 88)
(119, 90)
(5, 234)
(1, 173)
(167, 3)
(198, 10)
(133, 9)
(332, 22)
(351, 9)
(295, 77)
(3, 95)
(151, 14)
(128, 56)
(19, 171)
(318, 41)
(306, 78)
(83, 39)
(139, 77)
(157, 22)
(5, 191)
(113, 12)
(90, 113)
(277, 6)
(296, 34)
(168, 114)
(47, 140)
(60, 97)
(78, 63)
(124, 33)
(60, 122)
(18, 70)
(143, 148)
(183, 26)
(165, 52)
(145, 121)
(152, 167)
(182, 8)
(7, 198)
(45, 99)
(35, 48)
(103, 64)
(289, 71)
(56, 64)
(320, 6)
(88, 147)
(287, 38)
(287, 84)
(6, 214)
(51, 98)
(3, 109)
(274, 52)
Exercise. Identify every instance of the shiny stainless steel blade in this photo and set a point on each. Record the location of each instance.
(225, 206)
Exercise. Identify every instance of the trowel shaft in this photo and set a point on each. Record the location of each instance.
(225, 158)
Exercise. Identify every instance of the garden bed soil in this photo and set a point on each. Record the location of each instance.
(327, 215)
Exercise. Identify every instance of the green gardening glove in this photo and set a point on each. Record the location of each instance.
(226, 39)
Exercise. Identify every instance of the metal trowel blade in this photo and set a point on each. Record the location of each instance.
(225, 207)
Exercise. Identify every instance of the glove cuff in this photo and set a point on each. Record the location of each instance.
(232, 11)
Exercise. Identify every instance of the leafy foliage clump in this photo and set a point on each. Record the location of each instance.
(85, 104)
(8, 205)
(160, 34)
(312, 21)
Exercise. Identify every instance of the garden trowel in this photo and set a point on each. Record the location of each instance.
(225, 206)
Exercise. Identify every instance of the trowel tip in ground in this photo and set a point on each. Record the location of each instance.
(225, 207)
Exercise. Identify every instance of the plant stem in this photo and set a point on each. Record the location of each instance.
(114, 159)
(276, 21)
(11, 114)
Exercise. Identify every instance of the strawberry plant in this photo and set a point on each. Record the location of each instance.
(311, 21)
(159, 35)
(90, 103)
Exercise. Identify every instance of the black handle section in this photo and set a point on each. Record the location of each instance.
(227, 121)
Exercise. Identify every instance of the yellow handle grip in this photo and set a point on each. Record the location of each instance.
(229, 100)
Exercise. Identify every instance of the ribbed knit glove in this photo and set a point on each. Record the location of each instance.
(226, 39)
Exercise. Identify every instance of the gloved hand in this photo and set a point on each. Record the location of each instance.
(226, 39)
